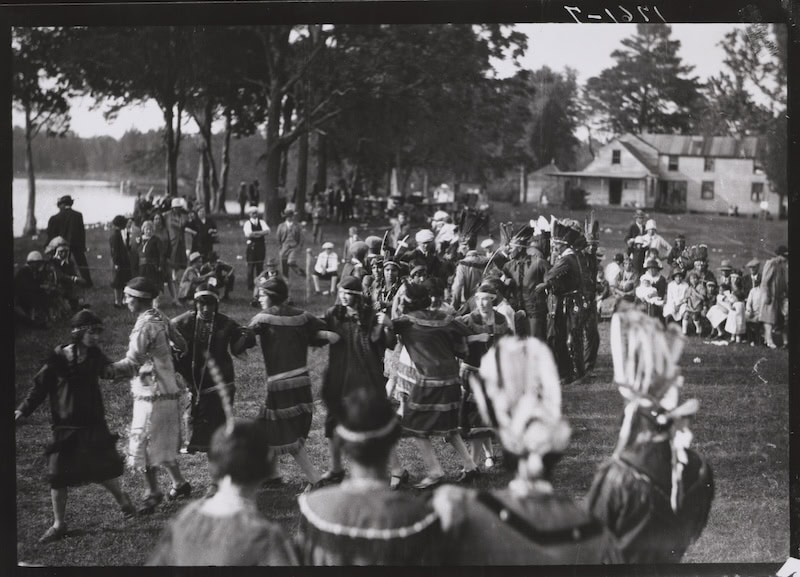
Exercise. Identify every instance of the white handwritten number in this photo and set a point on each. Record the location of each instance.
(628, 15)
(572, 11)
(646, 19)
(610, 15)
(655, 9)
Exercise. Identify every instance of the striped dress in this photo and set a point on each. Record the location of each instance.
(286, 333)
(432, 339)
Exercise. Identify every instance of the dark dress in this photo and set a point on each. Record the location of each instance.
(243, 538)
(150, 260)
(631, 496)
(219, 339)
(355, 360)
(120, 259)
(432, 339)
(566, 311)
(203, 240)
(363, 522)
(286, 333)
(83, 450)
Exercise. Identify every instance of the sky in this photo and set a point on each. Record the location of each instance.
(584, 47)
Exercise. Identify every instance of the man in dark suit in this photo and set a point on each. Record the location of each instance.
(68, 223)
(636, 229)
(752, 277)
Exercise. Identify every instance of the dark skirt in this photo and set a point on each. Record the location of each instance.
(81, 456)
(120, 277)
(287, 413)
(205, 416)
(151, 272)
(432, 407)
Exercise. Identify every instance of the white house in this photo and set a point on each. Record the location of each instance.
(676, 173)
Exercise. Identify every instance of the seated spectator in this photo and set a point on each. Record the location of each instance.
(675, 304)
(222, 272)
(31, 294)
(625, 287)
(192, 277)
(362, 521)
(695, 305)
(67, 279)
(717, 314)
(326, 268)
(227, 528)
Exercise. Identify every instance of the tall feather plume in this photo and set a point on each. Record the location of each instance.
(222, 390)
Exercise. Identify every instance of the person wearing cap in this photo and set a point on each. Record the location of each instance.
(177, 219)
(467, 278)
(432, 340)
(635, 230)
(752, 308)
(487, 245)
(356, 264)
(446, 232)
(775, 295)
(527, 523)
(354, 359)
(675, 303)
(208, 334)
(83, 449)
(655, 492)
(487, 326)
(677, 251)
(255, 232)
(285, 334)
(68, 223)
(120, 259)
(651, 240)
(290, 239)
(32, 292)
(565, 300)
(223, 274)
(700, 265)
(192, 277)
(361, 521)
(326, 267)
(155, 430)
(695, 304)
(425, 254)
(752, 277)
(227, 529)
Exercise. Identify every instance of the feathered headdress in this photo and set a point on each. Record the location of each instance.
(470, 223)
(645, 356)
(591, 229)
(518, 391)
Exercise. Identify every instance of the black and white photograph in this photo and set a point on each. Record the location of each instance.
(319, 284)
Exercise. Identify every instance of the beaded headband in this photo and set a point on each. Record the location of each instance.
(362, 436)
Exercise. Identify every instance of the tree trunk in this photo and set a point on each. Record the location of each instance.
(199, 183)
(425, 192)
(225, 166)
(302, 172)
(273, 161)
(523, 185)
(322, 162)
(171, 142)
(30, 217)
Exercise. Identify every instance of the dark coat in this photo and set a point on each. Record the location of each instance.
(68, 223)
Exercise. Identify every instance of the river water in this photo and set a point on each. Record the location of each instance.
(98, 201)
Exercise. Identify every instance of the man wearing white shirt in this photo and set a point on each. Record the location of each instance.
(326, 268)
(255, 232)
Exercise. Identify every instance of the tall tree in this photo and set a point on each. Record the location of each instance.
(649, 89)
(41, 92)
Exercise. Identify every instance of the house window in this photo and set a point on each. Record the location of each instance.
(757, 191)
(708, 165)
(615, 155)
(758, 168)
(673, 163)
(707, 190)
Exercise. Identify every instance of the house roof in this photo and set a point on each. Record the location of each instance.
(650, 163)
(694, 145)
(630, 174)
(545, 170)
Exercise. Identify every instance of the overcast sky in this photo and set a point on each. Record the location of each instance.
(585, 47)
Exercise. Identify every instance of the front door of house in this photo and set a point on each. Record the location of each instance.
(615, 191)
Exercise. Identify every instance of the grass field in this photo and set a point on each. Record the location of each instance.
(742, 427)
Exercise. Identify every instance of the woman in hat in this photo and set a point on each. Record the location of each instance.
(285, 333)
(656, 280)
(326, 268)
(725, 270)
(654, 493)
(432, 340)
(120, 259)
(775, 294)
(155, 434)
(150, 255)
(209, 334)
(356, 266)
(83, 450)
(360, 521)
(193, 276)
(488, 325)
(355, 359)
(528, 523)
(228, 529)
(65, 272)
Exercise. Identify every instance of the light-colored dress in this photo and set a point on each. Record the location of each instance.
(155, 434)
(675, 306)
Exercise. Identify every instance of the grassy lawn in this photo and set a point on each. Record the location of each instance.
(742, 427)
